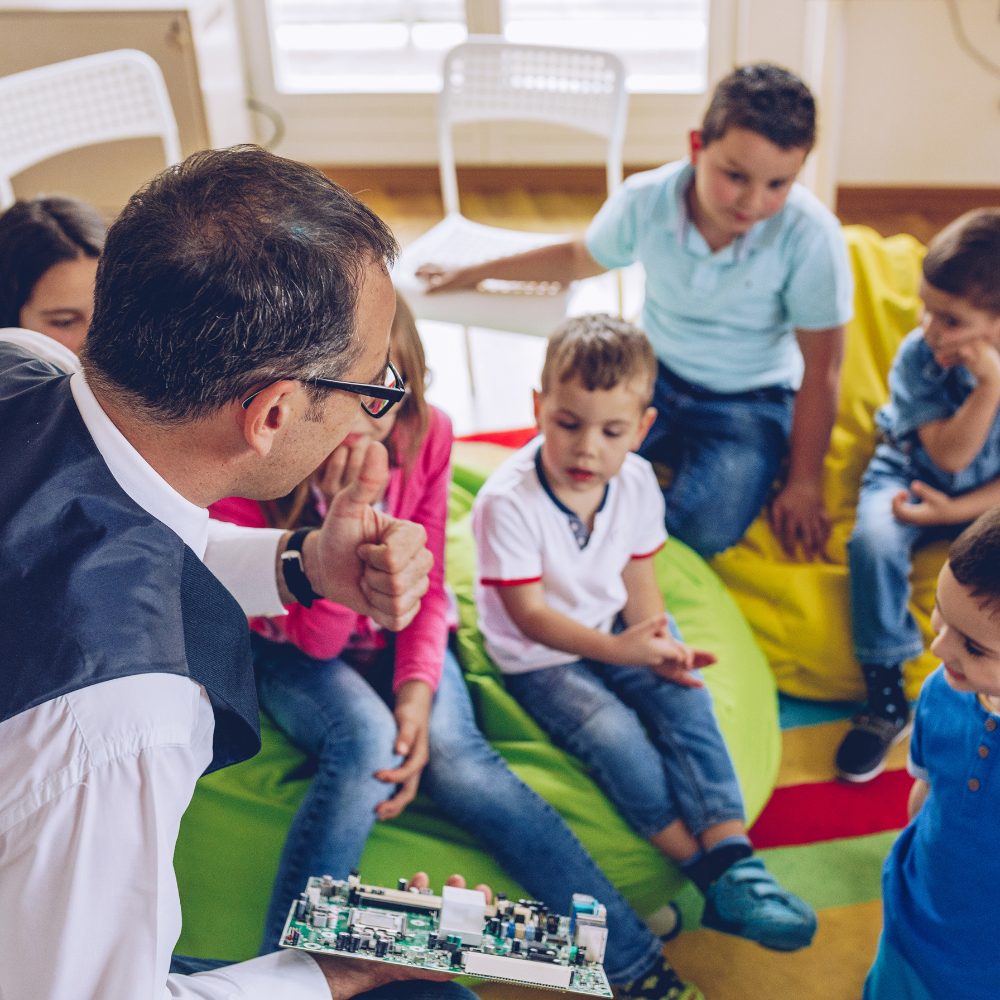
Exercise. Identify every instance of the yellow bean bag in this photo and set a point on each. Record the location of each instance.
(800, 611)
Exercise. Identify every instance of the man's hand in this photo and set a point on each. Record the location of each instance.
(437, 278)
(348, 977)
(798, 518)
(364, 559)
(413, 712)
(931, 506)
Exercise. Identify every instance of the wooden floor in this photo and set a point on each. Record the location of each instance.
(565, 201)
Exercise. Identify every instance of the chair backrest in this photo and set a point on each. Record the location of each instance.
(81, 102)
(489, 79)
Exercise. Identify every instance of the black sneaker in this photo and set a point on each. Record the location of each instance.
(861, 755)
(661, 982)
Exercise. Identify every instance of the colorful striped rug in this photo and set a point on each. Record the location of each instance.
(824, 839)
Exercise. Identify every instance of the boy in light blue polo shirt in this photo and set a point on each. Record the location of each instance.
(747, 290)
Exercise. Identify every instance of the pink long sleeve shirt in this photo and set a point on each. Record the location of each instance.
(325, 630)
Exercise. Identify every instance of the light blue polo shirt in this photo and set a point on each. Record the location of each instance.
(726, 320)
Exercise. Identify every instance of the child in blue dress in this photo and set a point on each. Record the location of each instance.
(941, 882)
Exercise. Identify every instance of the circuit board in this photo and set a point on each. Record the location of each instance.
(457, 932)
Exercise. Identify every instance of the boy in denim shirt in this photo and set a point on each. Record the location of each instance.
(572, 614)
(941, 881)
(747, 290)
(936, 470)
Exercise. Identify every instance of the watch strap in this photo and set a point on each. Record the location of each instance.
(293, 569)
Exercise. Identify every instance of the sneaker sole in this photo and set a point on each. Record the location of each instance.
(860, 779)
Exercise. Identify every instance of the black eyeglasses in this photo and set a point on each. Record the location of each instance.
(376, 400)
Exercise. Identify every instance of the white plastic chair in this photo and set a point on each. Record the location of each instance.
(490, 80)
(81, 102)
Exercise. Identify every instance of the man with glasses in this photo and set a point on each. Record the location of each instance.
(242, 306)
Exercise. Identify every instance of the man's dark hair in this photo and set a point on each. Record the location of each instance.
(964, 259)
(37, 234)
(974, 558)
(766, 99)
(230, 269)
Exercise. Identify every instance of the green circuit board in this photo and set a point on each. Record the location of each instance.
(518, 941)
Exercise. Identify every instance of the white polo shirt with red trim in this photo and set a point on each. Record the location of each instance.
(525, 534)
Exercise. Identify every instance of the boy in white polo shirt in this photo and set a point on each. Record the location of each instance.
(747, 289)
(572, 614)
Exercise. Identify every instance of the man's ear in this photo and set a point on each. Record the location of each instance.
(647, 420)
(694, 144)
(267, 414)
(536, 403)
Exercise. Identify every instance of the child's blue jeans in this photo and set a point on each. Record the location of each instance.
(654, 747)
(879, 554)
(339, 714)
(725, 451)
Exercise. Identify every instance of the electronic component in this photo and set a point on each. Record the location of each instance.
(514, 941)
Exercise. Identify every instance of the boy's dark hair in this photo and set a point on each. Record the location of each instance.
(601, 351)
(964, 259)
(230, 269)
(974, 558)
(766, 99)
(36, 235)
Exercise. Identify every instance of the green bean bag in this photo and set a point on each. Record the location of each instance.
(232, 833)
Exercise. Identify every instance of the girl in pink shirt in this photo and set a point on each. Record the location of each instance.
(383, 713)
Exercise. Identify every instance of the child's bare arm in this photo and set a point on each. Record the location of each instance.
(558, 262)
(798, 514)
(934, 507)
(918, 795)
(645, 644)
(954, 442)
(644, 598)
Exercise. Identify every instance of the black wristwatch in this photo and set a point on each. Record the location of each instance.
(294, 572)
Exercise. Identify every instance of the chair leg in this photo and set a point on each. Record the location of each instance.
(470, 367)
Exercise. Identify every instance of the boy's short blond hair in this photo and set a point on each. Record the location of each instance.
(964, 259)
(602, 351)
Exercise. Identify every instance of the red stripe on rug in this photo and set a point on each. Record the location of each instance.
(831, 810)
(508, 439)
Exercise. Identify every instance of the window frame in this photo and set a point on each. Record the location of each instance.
(389, 128)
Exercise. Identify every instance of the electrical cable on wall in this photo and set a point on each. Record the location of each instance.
(274, 117)
(965, 43)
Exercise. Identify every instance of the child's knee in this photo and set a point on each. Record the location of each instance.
(365, 745)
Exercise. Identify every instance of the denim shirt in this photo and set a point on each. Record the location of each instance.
(921, 391)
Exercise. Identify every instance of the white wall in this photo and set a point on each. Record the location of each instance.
(917, 110)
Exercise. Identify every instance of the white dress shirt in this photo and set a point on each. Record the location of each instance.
(93, 785)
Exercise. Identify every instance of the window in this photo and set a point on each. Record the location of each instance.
(663, 43)
(326, 46)
(396, 46)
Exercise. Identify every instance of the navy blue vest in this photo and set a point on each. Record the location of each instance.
(92, 587)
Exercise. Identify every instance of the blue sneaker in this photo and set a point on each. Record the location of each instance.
(748, 902)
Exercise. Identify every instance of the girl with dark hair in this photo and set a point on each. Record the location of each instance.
(48, 261)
